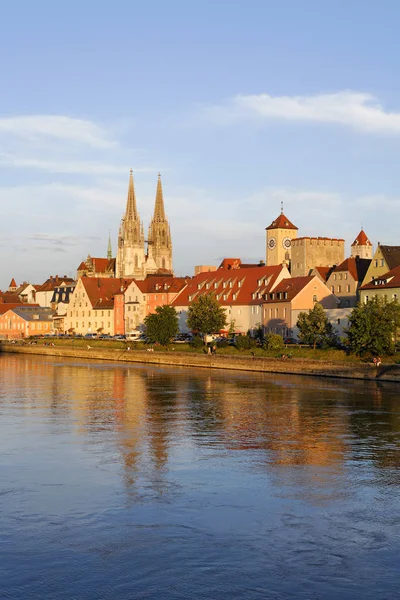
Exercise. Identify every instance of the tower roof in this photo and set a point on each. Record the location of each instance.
(159, 211)
(361, 239)
(109, 249)
(131, 209)
(282, 222)
(12, 283)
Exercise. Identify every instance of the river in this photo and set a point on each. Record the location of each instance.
(125, 481)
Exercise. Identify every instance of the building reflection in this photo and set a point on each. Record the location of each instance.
(300, 432)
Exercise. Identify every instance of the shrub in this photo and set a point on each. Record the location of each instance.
(223, 344)
(196, 342)
(244, 342)
(273, 341)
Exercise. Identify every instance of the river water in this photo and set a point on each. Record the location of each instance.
(160, 483)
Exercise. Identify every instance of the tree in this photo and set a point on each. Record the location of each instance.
(314, 327)
(273, 341)
(373, 327)
(206, 316)
(162, 325)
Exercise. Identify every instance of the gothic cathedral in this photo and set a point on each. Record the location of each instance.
(132, 258)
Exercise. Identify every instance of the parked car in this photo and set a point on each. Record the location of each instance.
(120, 337)
(290, 340)
(90, 336)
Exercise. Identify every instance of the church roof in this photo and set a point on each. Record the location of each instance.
(282, 222)
(361, 239)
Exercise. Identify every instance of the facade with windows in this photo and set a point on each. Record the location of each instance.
(385, 287)
(287, 300)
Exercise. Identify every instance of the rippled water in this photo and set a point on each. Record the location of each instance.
(156, 483)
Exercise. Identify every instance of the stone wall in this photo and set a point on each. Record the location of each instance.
(310, 252)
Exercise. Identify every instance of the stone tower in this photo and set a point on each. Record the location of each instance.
(131, 252)
(361, 246)
(280, 234)
(160, 245)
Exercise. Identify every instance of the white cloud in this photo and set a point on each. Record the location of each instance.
(57, 127)
(361, 111)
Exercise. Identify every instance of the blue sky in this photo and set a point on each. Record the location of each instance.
(239, 104)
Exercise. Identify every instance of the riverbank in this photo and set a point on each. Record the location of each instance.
(295, 366)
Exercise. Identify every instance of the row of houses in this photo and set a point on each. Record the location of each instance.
(253, 296)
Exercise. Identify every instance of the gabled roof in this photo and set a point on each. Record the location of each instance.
(282, 222)
(357, 267)
(391, 254)
(9, 298)
(34, 313)
(361, 239)
(5, 307)
(53, 282)
(157, 284)
(324, 272)
(290, 288)
(231, 286)
(101, 290)
(391, 279)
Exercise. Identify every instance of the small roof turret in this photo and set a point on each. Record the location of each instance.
(361, 239)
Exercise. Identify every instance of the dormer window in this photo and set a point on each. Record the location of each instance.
(231, 284)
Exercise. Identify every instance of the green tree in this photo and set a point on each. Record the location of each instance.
(206, 316)
(273, 341)
(162, 325)
(373, 327)
(314, 327)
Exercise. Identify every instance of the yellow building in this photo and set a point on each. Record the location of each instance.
(311, 252)
(385, 259)
(385, 287)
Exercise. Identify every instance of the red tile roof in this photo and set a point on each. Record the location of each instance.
(362, 239)
(282, 222)
(324, 272)
(53, 282)
(12, 283)
(5, 307)
(158, 284)
(101, 290)
(357, 267)
(231, 287)
(391, 279)
(290, 287)
(9, 298)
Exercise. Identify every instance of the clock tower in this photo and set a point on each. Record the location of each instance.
(280, 234)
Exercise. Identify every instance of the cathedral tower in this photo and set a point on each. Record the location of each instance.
(280, 234)
(130, 253)
(361, 246)
(159, 233)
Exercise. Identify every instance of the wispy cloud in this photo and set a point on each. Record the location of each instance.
(361, 111)
(58, 127)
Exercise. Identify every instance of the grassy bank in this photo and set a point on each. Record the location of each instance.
(293, 352)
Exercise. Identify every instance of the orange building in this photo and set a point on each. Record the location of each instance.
(289, 298)
(23, 321)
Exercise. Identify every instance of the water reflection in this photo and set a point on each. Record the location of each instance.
(202, 460)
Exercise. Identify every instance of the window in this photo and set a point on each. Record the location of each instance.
(334, 276)
(345, 275)
(376, 263)
(332, 289)
(339, 289)
(382, 262)
(340, 275)
(315, 298)
(366, 299)
(347, 288)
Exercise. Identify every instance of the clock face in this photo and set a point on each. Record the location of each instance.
(272, 243)
(286, 242)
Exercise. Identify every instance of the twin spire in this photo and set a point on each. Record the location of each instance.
(131, 207)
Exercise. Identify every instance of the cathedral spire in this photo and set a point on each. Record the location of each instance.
(109, 249)
(131, 209)
(159, 211)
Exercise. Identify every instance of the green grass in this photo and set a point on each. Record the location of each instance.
(296, 352)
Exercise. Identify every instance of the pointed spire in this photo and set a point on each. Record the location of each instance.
(281, 207)
(131, 209)
(109, 249)
(159, 212)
